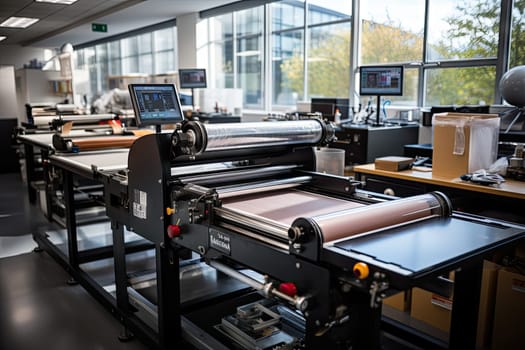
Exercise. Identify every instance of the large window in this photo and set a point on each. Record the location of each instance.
(517, 45)
(148, 53)
(215, 50)
(287, 55)
(271, 68)
(460, 29)
(288, 51)
(249, 56)
(391, 31)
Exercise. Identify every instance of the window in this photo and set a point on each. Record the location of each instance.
(386, 34)
(470, 85)
(460, 29)
(215, 50)
(517, 44)
(287, 57)
(249, 55)
(329, 61)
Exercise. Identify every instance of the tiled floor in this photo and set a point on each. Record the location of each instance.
(38, 309)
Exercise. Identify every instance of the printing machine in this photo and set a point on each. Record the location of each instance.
(317, 253)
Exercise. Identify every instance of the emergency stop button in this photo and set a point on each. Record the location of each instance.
(173, 231)
(361, 270)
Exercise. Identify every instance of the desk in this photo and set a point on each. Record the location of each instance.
(503, 202)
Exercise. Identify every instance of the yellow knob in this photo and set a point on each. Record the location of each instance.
(170, 211)
(361, 270)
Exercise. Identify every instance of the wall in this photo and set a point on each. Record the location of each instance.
(187, 40)
(17, 55)
(7, 93)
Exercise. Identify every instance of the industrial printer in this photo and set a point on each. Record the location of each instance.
(315, 254)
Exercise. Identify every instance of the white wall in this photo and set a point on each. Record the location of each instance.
(8, 103)
(17, 56)
(187, 40)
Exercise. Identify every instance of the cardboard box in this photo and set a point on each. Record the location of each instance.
(463, 143)
(436, 310)
(399, 301)
(509, 326)
(431, 308)
(393, 163)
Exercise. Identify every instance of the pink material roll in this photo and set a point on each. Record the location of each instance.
(346, 223)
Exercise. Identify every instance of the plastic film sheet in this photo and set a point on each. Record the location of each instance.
(244, 135)
(346, 223)
(284, 206)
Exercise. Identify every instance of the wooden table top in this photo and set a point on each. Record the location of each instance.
(510, 188)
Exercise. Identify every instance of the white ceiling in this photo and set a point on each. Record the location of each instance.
(61, 24)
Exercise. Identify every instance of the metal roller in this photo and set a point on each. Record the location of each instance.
(195, 137)
(346, 223)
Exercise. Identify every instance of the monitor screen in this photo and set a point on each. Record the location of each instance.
(381, 80)
(155, 104)
(192, 78)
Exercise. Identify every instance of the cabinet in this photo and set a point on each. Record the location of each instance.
(364, 143)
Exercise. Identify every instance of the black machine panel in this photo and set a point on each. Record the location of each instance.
(430, 242)
(364, 143)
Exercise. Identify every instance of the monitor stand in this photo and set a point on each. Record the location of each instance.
(378, 112)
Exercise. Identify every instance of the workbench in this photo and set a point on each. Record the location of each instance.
(502, 202)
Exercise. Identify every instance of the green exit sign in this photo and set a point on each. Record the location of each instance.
(98, 27)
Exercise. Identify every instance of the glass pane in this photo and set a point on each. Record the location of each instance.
(250, 21)
(517, 44)
(102, 52)
(459, 29)
(146, 64)
(322, 11)
(164, 62)
(287, 14)
(115, 67)
(387, 35)
(114, 49)
(129, 46)
(287, 67)
(222, 64)
(144, 43)
(249, 70)
(130, 65)
(460, 86)
(329, 61)
(163, 39)
(221, 27)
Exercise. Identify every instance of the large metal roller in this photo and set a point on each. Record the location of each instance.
(195, 137)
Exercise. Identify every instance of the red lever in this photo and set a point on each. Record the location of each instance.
(288, 288)
(173, 231)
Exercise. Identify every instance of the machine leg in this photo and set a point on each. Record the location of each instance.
(365, 323)
(464, 322)
(125, 335)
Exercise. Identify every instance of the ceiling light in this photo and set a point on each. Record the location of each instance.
(2, 37)
(63, 2)
(18, 22)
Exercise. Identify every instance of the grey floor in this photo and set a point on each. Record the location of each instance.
(38, 309)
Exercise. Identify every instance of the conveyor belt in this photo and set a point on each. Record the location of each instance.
(85, 163)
